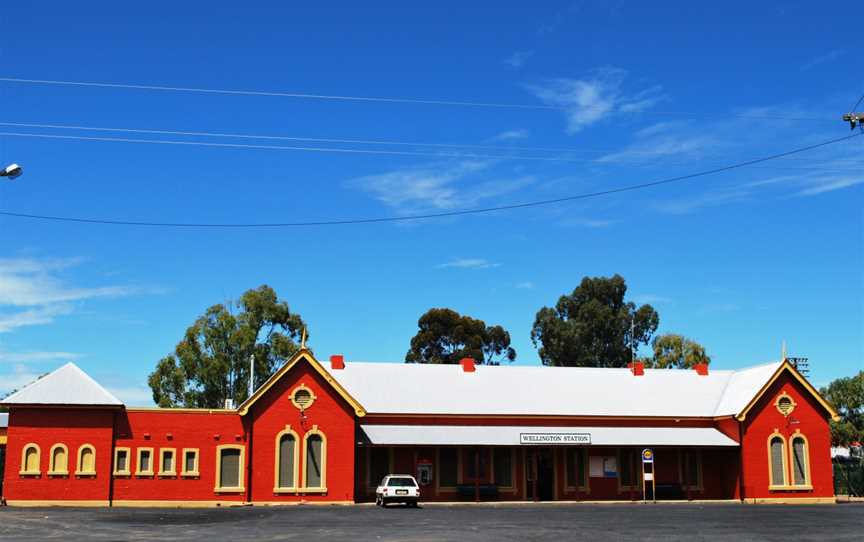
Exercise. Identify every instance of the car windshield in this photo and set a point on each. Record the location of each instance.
(401, 482)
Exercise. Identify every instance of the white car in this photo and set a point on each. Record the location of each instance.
(397, 488)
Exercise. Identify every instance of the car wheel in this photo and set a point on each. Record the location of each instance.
(377, 501)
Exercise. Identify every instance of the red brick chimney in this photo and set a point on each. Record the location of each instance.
(337, 362)
(637, 368)
(467, 365)
(701, 369)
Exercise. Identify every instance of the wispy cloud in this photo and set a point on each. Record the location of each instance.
(438, 187)
(511, 135)
(20, 376)
(467, 263)
(37, 357)
(527, 285)
(595, 223)
(594, 98)
(31, 293)
(830, 56)
(651, 299)
(518, 59)
(663, 140)
(823, 184)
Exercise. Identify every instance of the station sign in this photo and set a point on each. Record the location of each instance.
(555, 438)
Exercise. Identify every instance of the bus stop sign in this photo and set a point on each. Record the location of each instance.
(647, 456)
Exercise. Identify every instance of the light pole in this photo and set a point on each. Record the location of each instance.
(12, 171)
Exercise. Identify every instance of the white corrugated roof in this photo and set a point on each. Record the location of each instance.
(4, 419)
(464, 435)
(68, 385)
(389, 388)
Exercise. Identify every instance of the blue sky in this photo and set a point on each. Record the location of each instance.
(739, 261)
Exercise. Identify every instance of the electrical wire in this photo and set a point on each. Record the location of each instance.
(462, 212)
(854, 107)
(398, 100)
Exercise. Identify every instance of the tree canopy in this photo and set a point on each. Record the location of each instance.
(445, 336)
(847, 397)
(673, 351)
(211, 362)
(591, 327)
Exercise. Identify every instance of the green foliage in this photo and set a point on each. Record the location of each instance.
(673, 351)
(211, 362)
(592, 326)
(445, 336)
(847, 397)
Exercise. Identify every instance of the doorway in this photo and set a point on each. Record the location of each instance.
(540, 474)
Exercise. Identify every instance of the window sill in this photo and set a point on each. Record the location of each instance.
(85, 474)
(312, 490)
(58, 473)
(790, 488)
(30, 473)
(122, 473)
(283, 490)
(229, 489)
(144, 474)
(168, 475)
(190, 474)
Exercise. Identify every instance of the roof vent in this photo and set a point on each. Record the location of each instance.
(637, 368)
(467, 365)
(701, 369)
(337, 362)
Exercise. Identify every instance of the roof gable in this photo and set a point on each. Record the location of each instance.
(68, 385)
(785, 366)
(302, 355)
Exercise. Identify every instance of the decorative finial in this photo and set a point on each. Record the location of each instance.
(783, 351)
(303, 338)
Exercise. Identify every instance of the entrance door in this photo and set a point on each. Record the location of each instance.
(540, 473)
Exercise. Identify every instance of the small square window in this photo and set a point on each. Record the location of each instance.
(166, 462)
(190, 462)
(145, 462)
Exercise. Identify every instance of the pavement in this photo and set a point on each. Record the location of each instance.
(462, 522)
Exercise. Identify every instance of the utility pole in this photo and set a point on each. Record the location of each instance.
(251, 375)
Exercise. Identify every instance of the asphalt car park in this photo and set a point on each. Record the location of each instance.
(463, 522)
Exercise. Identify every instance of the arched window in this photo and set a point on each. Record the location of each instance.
(315, 461)
(59, 460)
(287, 451)
(777, 460)
(86, 460)
(30, 459)
(800, 461)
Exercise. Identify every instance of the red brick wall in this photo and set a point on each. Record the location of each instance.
(176, 429)
(47, 427)
(763, 419)
(333, 416)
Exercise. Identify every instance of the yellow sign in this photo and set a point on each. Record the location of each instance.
(647, 455)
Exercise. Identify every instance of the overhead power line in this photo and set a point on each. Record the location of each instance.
(482, 210)
(380, 99)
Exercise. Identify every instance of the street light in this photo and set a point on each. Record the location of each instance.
(12, 171)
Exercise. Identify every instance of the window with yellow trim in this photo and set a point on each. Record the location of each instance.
(86, 465)
(167, 462)
(287, 455)
(800, 461)
(315, 461)
(30, 459)
(777, 460)
(58, 460)
(121, 461)
(145, 462)
(229, 468)
(190, 462)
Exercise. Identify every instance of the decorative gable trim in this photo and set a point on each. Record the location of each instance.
(306, 355)
(786, 366)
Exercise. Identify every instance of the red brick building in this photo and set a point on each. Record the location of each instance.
(316, 433)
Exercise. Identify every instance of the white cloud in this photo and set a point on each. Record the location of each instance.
(467, 263)
(518, 59)
(527, 285)
(822, 59)
(510, 135)
(820, 185)
(594, 98)
(437, 187)
(32, 285)
(31, 356)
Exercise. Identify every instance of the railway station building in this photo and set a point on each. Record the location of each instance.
(327, 432)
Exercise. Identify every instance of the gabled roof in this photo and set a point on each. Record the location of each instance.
(784, 367)
(302, 355)
(68, 385)
(420, 389)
